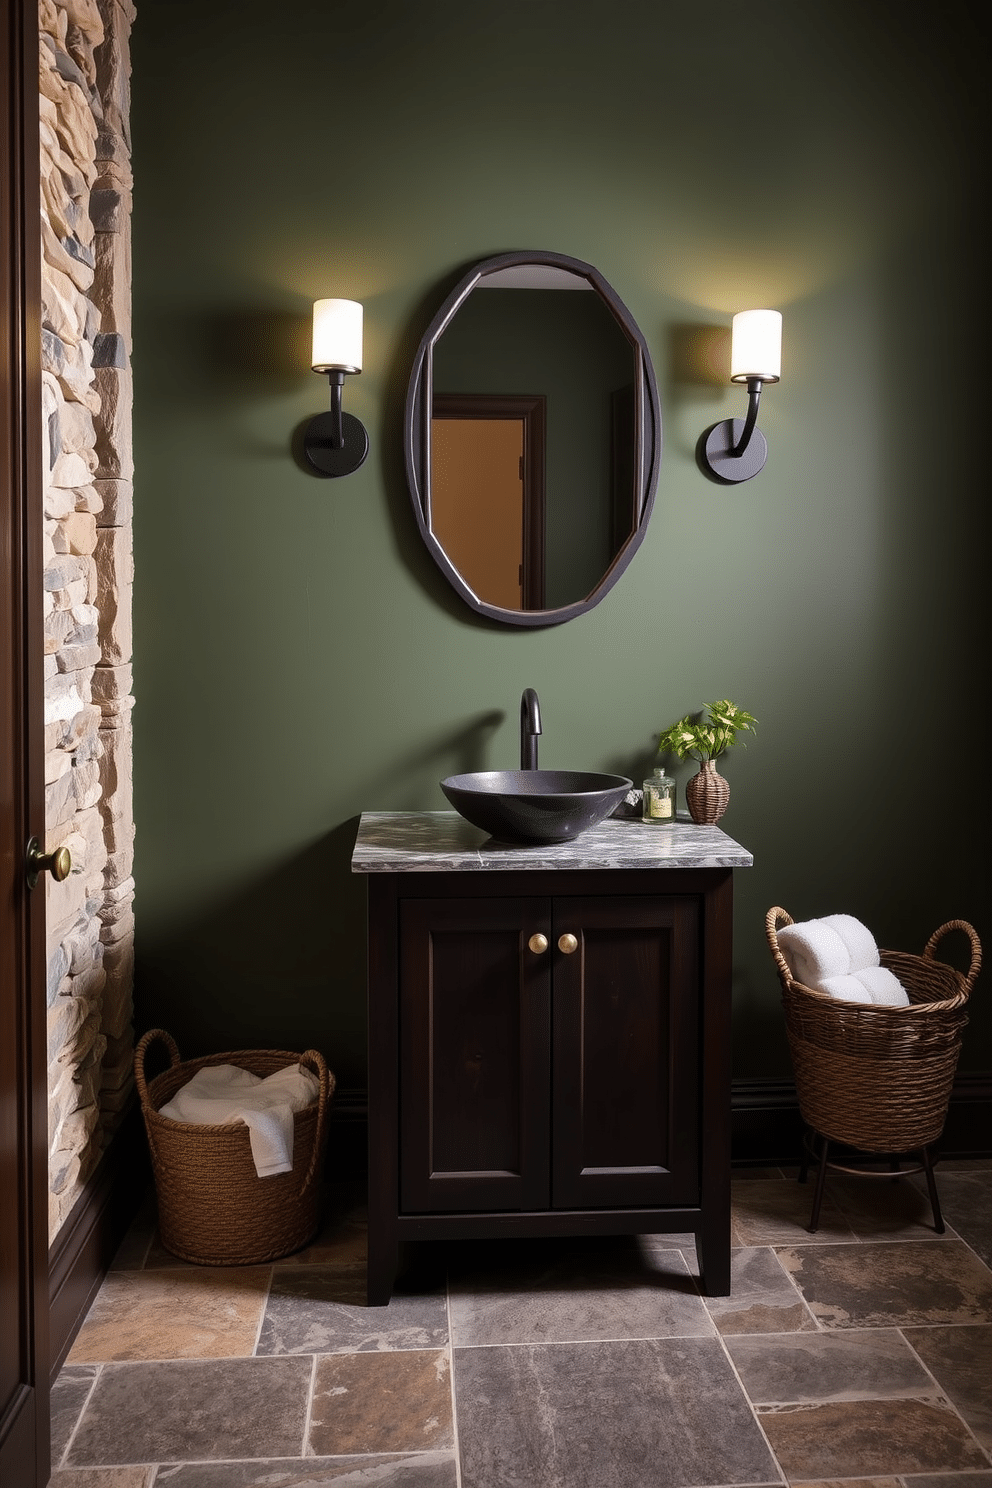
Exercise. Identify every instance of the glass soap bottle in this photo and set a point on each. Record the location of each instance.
(659, 798)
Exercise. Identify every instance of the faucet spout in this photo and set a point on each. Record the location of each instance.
(530, 727)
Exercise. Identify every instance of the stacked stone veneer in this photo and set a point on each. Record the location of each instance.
(86, 343)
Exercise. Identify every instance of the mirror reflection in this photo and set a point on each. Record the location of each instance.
(531, 428)
(533, 438)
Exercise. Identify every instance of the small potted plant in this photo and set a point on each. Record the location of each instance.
(705, 739)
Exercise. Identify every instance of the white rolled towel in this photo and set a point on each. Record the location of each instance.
(876, 986)
(849, 988)
(884, 986)
(222, 1094)
(814, 950)
(857, 937)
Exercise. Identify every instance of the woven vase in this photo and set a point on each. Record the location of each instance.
(707, 794)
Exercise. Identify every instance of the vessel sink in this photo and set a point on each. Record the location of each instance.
(532, 806)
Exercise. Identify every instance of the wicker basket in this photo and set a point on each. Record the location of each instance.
(213, 1207)
(878, 1078)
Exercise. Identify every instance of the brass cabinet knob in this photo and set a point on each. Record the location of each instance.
(538, 944)
(568, 944)
(58, 862)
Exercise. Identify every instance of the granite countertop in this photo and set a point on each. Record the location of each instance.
(442, 841)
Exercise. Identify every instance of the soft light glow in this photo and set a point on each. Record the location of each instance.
(756, 349)
(337, 336)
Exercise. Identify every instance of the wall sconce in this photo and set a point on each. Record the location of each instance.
(336, 443)
(735, 449)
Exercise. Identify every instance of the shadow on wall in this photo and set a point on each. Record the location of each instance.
(282, 963)
(415, 776)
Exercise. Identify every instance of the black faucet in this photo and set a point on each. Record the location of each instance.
(530, 727)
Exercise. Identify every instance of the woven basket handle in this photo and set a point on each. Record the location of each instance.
(315, 1060)
(144, 1043)
(976, 947)
(773, 919)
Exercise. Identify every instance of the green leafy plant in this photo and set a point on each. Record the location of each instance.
(705, 738)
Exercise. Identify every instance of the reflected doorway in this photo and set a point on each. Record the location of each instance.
(488, 493)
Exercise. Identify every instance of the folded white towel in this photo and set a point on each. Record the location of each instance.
(857, 937)
(814, 950)
(875, 985)
(849, 988)
(222, 1094)
(884, 987)
(838, 955)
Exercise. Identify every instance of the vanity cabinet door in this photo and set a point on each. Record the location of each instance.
(561, 1077)
(625, 1106)
(475, 1020)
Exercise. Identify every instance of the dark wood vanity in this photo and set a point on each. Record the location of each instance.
(549, 1035)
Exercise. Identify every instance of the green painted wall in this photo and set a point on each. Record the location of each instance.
(297, 657)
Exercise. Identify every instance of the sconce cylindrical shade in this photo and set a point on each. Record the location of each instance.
(337, 336)
(756, 348)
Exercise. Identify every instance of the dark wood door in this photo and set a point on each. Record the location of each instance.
(625, 1109)
(24, 1429)
(475, 1021)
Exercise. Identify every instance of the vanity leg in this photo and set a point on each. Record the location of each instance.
(713, 1256)
(383, 1263)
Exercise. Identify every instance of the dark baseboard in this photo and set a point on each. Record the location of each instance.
(767, 1129)
(348, 1134)
(86, 1244)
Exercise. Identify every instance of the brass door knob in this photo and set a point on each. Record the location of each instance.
(568, 944)
(58, 862)
(538, 944)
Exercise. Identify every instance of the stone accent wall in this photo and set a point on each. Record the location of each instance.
(86, 346)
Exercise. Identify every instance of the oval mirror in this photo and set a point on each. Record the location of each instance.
(533, 437)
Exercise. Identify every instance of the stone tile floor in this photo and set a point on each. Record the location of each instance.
(861, 1352)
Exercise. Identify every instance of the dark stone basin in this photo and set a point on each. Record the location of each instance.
(532, 806)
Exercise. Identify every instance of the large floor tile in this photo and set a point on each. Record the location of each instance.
(103, 1477)
(960, 1360)
(683, 1241)
(413, 1470)
(343, 1244)
(321, 1310)
(966, 1199)
(762, 1297)
(950, 1480)
(793, 1368)
(865, 1438)
(70, 1392)
(395, 1402)
(855, 1482)
(879, 1482)
(184, 1410)
(192, 1313)
(632, 1414)
(579, 1291)
(342, 1240)
(777, 1212)
(878, 1284)
(879, 1208)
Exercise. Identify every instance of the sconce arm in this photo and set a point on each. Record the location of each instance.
(335, 443)
(753, 398)
(336, 379)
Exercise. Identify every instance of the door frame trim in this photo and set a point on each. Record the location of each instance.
(25, 1424)
(531, 408)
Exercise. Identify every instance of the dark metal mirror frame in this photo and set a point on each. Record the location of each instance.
(646, 454)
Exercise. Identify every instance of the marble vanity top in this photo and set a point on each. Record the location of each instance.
(442, 841)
